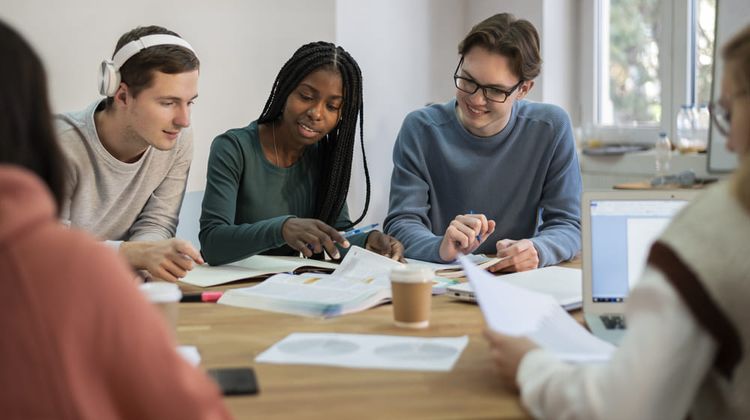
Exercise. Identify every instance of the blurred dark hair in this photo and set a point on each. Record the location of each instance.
(26, 135)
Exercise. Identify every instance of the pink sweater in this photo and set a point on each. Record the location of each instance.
(78, 340)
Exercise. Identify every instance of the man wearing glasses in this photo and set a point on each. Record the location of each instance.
(489, 172)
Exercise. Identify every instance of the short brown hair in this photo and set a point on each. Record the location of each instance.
(138, 71)
(516, 39)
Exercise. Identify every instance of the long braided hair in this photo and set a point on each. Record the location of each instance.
(337, 147)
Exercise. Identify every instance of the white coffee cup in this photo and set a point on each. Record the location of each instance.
(411, 289)
(166, 297)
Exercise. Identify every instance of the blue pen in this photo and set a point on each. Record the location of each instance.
(479, 237)
(352, 232)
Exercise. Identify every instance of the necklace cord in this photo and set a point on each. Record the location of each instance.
(275, 150)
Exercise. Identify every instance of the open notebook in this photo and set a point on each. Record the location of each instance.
(257, 266)
(563, 284)
(452, 271)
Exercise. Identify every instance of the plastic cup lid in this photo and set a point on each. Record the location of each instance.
(412, 274)
(161, 292)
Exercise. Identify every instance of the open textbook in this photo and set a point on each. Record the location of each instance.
(452, 271)
(513, 310)
(256, 266)
(360, 282)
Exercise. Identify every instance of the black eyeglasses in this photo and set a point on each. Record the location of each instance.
(721, 116)
(491, 93)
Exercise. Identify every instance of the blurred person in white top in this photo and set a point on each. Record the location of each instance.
(686, 347)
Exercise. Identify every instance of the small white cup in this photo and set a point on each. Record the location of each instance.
(411, 289)
(166, 297)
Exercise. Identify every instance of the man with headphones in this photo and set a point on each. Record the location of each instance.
(129, 154)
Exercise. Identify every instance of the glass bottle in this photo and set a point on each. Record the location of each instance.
(702, 122)
(685, 128)
(663, 154)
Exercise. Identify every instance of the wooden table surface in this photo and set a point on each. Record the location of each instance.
(232, 337)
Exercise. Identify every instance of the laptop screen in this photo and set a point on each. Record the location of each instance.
(622, 232)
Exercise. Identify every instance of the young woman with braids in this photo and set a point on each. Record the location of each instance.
(279, 185)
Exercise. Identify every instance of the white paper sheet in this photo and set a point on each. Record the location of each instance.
(360, 263)
(367, 351)
(511, 310)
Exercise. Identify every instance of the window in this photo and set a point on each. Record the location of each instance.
(630, 90)
(705, 32)
(649, 58)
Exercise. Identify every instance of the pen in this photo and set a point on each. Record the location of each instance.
(479, 237)
(211, 297)
(352, 232)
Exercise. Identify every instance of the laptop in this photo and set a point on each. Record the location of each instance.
(618, 229)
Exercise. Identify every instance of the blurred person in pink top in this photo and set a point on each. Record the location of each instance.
(79, 341)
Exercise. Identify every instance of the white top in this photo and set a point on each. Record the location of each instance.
(655, 373)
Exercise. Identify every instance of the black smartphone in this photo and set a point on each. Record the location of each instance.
(235, 381)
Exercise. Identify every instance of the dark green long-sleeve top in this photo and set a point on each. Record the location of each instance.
(248, 199)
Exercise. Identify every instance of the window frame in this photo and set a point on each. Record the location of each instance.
(676, 70)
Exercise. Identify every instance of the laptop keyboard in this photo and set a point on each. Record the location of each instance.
(613, 322)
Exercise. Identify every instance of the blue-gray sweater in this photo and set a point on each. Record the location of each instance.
(526, 178)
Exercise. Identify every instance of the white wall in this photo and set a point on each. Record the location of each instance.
(406, 51)
(242, 44)
(559, 32)
(447, 28)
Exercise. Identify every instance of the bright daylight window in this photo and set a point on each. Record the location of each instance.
(632, 93)
(705, 32)
(635, 60)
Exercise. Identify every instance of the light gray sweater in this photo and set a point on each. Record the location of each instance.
(115, 200)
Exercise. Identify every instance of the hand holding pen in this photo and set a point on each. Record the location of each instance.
(464, 235)
(356, 231)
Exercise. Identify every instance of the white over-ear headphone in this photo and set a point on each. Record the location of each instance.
(109, 73)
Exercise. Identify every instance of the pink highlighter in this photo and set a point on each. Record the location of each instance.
(209, 297)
